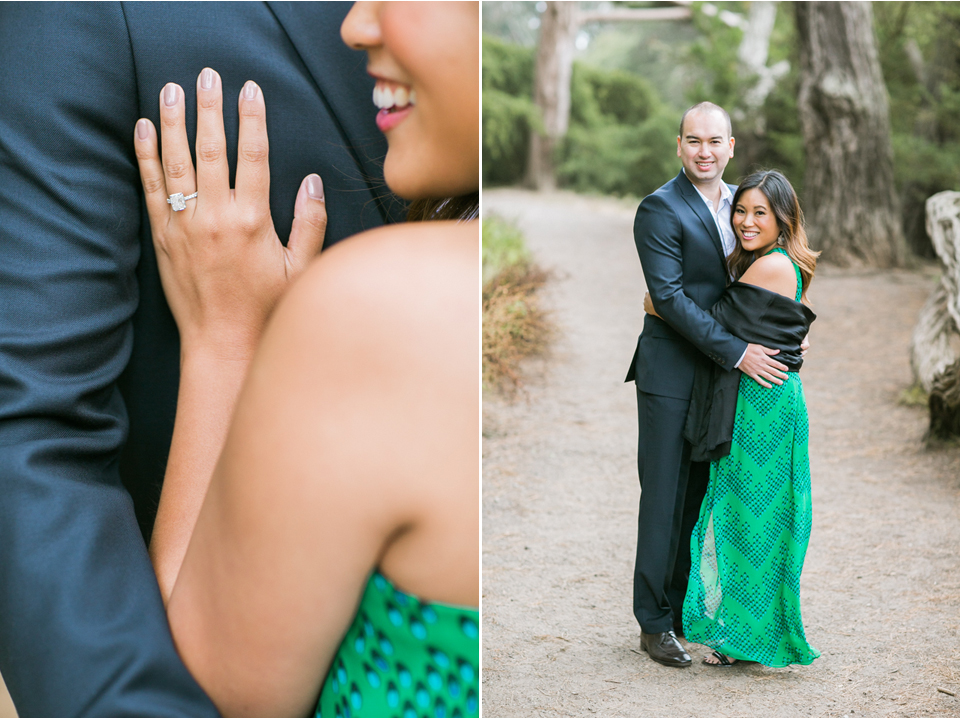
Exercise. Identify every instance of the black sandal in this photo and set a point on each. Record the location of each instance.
(724, 661)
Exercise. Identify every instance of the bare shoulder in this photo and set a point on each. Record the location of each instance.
(774, 272)
(418, 276)
(410, 243)
(378, 344)
(404, 263)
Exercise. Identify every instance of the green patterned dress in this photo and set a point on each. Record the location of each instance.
(747, 549)
(404, 658)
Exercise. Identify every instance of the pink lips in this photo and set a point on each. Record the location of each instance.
(389, 118)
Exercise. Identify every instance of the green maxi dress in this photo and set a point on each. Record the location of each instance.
(405, 658)
(748, 546)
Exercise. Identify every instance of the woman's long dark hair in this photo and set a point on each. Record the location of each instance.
(463, 208)
(786, 208)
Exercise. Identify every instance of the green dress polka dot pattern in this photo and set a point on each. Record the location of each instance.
(404, 658)
(747, 549)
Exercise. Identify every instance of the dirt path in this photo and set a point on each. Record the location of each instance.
(881, 585)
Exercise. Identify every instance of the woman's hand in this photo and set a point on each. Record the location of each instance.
(222, 265)
(648, 305)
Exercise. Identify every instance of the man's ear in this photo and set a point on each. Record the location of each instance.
(733, 141)
(678, 145)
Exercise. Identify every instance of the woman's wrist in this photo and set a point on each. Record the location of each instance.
(203, 349)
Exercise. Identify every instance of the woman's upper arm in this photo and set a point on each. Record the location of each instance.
(331, 438)
(774, 272)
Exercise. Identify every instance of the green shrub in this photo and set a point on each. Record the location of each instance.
(509, 114)
(620, 140)
(503, 246)
(617, 96)
(619, 159)
(507, 68)
(507, 124)
(584, 107)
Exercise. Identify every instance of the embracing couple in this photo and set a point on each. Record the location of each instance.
(313, 420)
(725, 510)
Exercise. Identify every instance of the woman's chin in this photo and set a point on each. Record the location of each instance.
(413, 180)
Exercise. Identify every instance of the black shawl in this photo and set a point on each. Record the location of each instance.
(757, 316)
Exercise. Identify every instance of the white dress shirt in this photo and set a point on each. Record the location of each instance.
(722, 216)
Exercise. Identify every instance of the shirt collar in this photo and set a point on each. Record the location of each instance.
(726, 196)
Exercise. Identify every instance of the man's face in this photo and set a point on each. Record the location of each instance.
(705, 147)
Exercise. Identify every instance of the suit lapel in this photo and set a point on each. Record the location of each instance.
(699, 207)
(314, 31)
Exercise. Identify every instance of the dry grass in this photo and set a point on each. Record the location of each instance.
(514, 325)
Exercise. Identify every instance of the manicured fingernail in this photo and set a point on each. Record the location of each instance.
(170, 94)
(315, 187)
(250, 90)
(206, 79)
(142, 130)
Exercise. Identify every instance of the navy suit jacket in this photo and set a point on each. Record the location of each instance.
(685, 270)
(89, 354)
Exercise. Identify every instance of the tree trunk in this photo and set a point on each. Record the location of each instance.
(934, 352)
(750, 126)
(551, 92)
(852, 209)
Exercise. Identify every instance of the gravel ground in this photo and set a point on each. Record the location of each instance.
(881, 585)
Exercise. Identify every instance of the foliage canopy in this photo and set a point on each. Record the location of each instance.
(633, 81)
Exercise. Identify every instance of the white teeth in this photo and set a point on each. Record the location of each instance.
(400, 96)
(382, 96)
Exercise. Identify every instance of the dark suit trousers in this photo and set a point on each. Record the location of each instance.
(671, 492)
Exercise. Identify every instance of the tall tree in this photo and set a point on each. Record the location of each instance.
(551, 90)
(853, 211)
(559, 24)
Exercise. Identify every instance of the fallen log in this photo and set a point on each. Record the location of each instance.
(935, 346)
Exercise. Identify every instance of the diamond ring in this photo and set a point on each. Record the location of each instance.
(179, 202)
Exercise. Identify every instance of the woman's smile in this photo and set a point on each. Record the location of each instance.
(423, 56)
(395, 101)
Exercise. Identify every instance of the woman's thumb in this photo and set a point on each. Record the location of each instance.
(309, 219)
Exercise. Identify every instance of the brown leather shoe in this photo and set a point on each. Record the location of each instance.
(665, 649)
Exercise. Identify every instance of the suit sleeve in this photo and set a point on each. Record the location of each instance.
(82, 627)
(657, 233)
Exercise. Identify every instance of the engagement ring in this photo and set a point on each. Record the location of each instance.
(179, 202)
